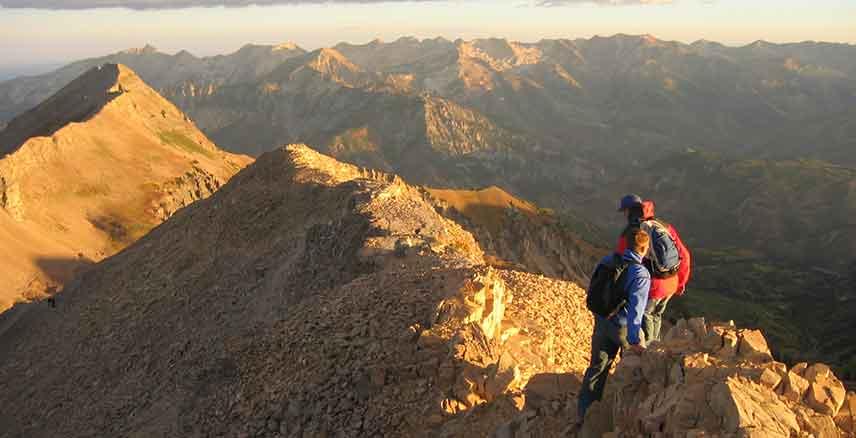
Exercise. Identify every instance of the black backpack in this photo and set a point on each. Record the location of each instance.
(606, 294)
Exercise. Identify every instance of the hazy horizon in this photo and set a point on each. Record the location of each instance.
(37, 39)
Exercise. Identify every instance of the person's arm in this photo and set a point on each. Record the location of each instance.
(637, 292)
(686, 262)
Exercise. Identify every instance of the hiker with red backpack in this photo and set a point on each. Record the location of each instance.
(617, 296)
(668, 260)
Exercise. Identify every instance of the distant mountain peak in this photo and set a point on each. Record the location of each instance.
(288, 45)
(408, 39)
(93, 93)
(328, 60)
(91, 169)
(148, 49)
(330, 53)
(76, 102)
(185, 55)
(706, 43)
(760, 44)
(649, 39)
(499, 53)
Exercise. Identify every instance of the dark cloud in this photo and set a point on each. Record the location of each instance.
(165, 4)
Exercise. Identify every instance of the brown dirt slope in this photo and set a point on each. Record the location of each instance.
(516, 233)
(91, 170)
(482, 205)
(304, 298)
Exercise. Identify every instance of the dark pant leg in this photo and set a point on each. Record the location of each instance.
(604, 347)
(652, 321)
(649, 320)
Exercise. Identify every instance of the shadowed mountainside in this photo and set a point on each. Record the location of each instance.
(75, 103)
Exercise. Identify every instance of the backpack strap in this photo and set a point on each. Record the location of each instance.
(619, 283)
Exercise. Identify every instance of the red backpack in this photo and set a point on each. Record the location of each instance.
(647, 210)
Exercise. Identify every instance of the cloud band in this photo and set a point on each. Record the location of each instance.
(178, 4)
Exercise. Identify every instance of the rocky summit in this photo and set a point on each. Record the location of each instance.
(90, 170)
(306, 297)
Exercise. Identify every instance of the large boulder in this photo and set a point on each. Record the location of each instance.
(753, 345)
(816, 424)
(794, 387)
(501, 377)
(770, 378)
(846, 418)
(746, 407)
(598, 422)
(826, 394)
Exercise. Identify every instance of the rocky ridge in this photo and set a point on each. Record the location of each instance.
(92, 169)
(306, 297)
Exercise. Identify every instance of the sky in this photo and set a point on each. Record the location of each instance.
(38, 34)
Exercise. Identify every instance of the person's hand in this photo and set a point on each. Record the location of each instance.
(635, 349)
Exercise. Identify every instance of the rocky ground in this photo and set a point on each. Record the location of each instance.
(713, 379)
(311, 298)
(703, 380)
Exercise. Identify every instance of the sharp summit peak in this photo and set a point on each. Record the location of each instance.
(76, 102)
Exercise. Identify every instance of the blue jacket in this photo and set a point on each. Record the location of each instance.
(637, 283)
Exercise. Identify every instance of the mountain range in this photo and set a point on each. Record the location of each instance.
(747, 150)
(593, 95)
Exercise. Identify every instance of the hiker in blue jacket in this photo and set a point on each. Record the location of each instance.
(623, 331)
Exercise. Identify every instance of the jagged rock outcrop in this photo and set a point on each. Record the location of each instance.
(193, 185)
(306, 297)
(717, 380)
(89, 171)
(10, 199)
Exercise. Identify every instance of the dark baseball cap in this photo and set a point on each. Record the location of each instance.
(629, 201)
